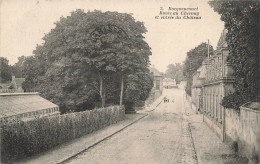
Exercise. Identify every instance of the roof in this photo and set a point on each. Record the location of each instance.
(222, 40)
(155, 71)
(17, 103)
(252, 105)
(168, 80)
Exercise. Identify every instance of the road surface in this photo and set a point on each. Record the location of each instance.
(161, 137)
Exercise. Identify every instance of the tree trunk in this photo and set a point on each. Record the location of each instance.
(122, 90)
(102, 96)
(103, 99)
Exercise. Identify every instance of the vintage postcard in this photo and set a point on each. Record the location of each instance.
(141, 81)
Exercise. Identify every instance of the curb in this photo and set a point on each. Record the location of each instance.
(154, 107)
(193, 145)
(96, 143)
(105, 138)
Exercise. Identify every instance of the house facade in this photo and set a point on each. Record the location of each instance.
(218, 83)
(198, 79)
(157, 89)
(238, 128)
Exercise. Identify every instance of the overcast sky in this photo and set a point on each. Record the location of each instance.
(24, 23)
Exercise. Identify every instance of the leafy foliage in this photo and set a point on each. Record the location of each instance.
(18, 68)
(193, 62)
(6, 70)
(138, 87)
(86, 57)
(175, 71)
(38, 135)
(242, 22)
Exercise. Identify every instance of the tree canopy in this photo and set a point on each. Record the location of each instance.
(6, 70)
(242, 22)
(193, 61)
(17, 68)
(86, 57)
(175, 71)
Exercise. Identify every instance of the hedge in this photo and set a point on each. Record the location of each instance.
(25, 139)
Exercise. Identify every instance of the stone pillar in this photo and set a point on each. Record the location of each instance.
(223, 114)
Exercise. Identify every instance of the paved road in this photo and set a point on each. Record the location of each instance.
(161, 137)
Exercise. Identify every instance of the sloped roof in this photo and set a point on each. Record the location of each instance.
(155, 71)
(17, 103)
(222, 40)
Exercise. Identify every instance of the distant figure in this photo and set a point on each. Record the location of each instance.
(172, 100)
(164, 99)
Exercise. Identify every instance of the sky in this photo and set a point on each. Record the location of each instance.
(24, 23)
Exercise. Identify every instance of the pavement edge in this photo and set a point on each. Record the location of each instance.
(105, 138)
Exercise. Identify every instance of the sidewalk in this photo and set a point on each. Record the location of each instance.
(72, 148)
(152, 107)
(209, 148)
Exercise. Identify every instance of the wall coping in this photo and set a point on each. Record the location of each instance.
(247, 107)
(18, 94)
(220, 80)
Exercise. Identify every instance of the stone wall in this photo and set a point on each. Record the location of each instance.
(243, 130)
(196, 92)
(192, 105)
(214, 125)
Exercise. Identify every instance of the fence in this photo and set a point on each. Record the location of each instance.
(29, 138)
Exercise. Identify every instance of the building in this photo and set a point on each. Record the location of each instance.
(198, 79)
(237, 128)
(218, 83)
(16, 83)
(169, 83)
(157, 89)
(15, 86)
(16, 107)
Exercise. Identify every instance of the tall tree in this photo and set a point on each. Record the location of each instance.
(119, 46)
(6, 70)
(193, 61)
(17, 68)
(138, 87)
(91, 51)
(175, 71)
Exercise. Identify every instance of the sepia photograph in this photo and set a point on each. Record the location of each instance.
(130, 82)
